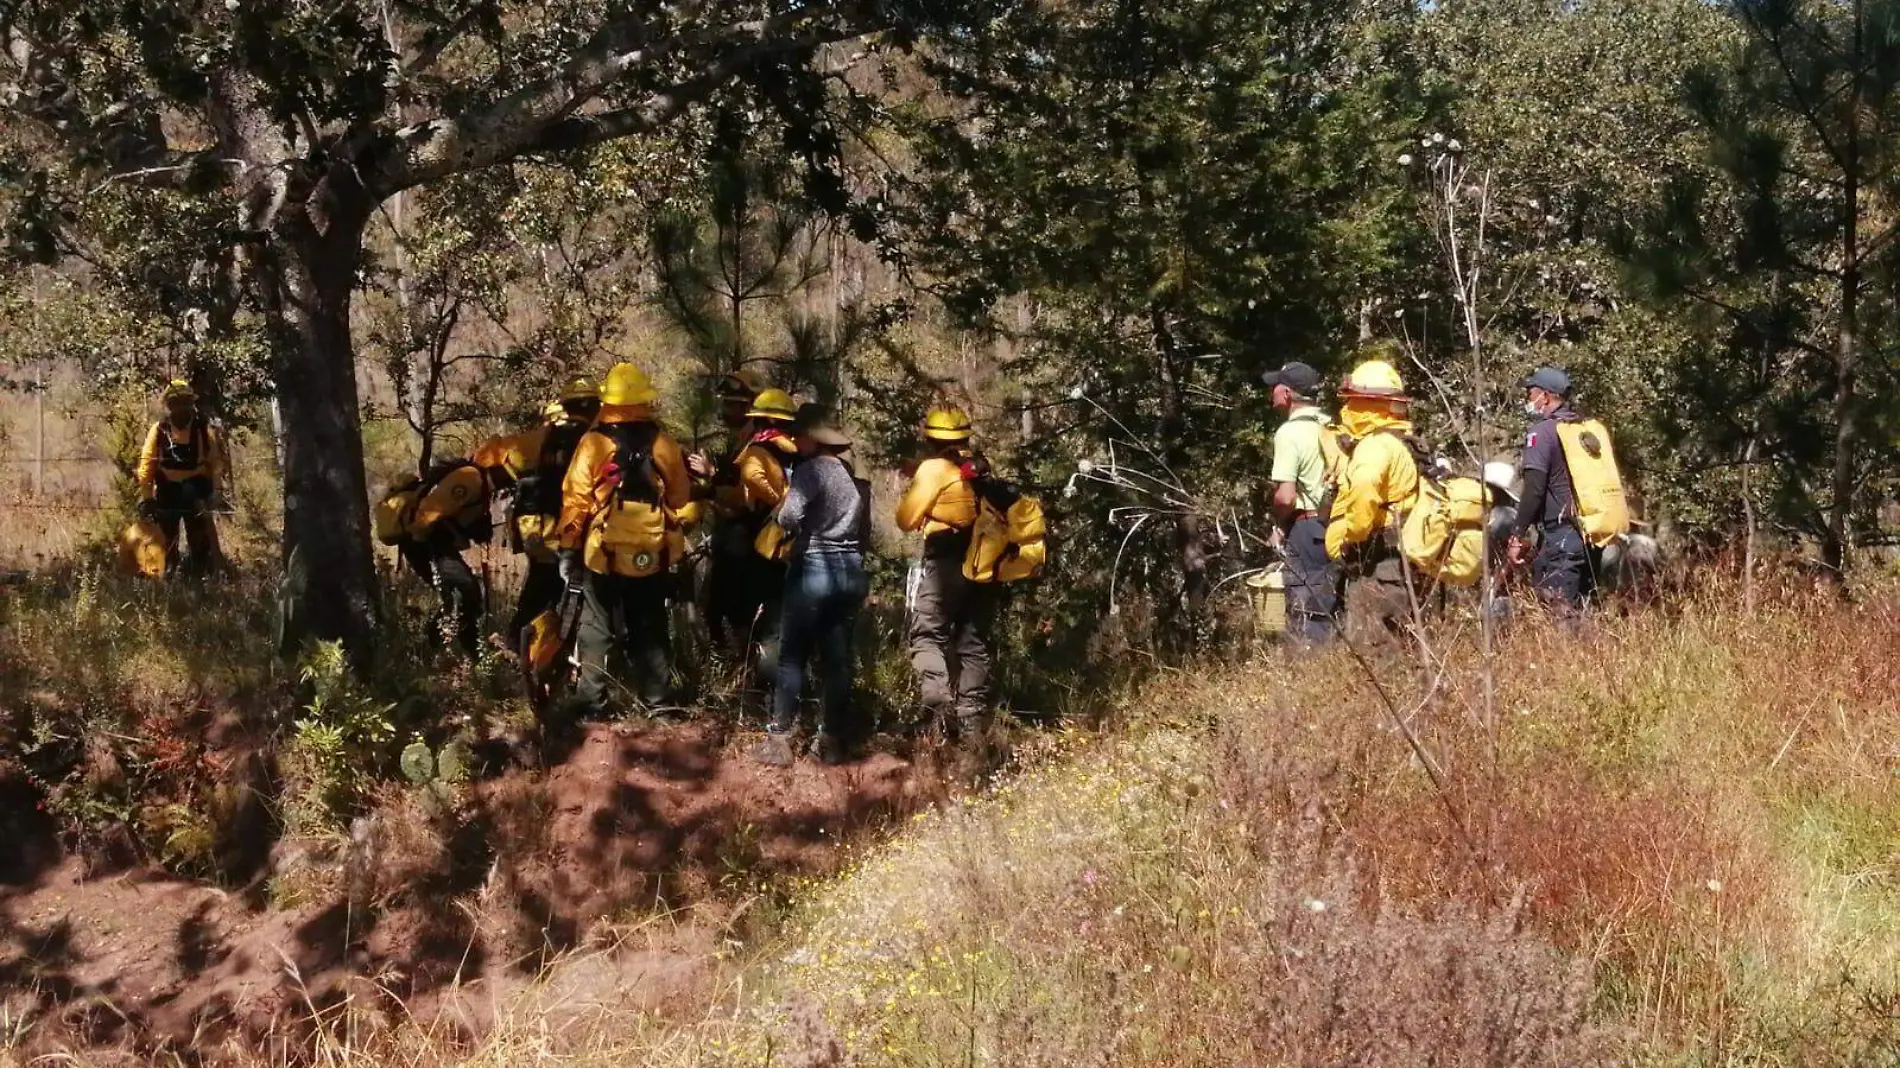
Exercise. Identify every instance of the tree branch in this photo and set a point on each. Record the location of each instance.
(545, 117)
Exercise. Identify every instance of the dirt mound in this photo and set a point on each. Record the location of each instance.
(455, 913)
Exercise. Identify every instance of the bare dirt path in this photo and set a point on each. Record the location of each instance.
(456, 916)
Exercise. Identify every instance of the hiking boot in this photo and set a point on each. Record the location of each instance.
(775, 751)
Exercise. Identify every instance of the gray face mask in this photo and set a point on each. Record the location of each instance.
(1531, 409)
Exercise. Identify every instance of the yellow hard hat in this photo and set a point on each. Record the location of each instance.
(179, 389)
(947, 423)
(740, 385)
(1374, 378)
(627, 385)
(555, 411)
(582, 388)
(774, 404)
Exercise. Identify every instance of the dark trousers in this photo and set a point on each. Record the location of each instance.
(626, 616)
(1563, 571)
(184, 508)
(439, 561)
(1312, 583)
(541, 591)
(1379, 599)
(823, 594)
(745, 594)
(731, 604)
(950, 621)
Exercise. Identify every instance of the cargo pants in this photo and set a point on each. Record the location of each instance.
(1564, 570)
(1379, 602)
(439, 561)
(541, 591)
(950, 623)
(627, 616)
(184, 515)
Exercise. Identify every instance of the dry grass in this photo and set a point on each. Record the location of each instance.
(1684, 855)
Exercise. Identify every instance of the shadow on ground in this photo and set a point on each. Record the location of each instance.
(452, 911)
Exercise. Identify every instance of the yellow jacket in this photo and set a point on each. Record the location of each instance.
(1378, 483)
(939, 499)
(586, 488)
(460, 498)
(174, 455)
(497, 452)
(762, 472)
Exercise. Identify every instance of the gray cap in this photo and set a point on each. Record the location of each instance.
(1551, 378)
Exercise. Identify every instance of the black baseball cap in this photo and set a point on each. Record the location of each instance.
(1551, 378)
(1298, 377)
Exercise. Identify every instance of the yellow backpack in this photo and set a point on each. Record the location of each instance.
(142, 550)
(1008, 542)
(390, 517)
(1603, 513)
(1442, 536)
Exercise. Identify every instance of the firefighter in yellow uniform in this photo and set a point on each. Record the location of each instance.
(179, 472)
(765, 470)
(451, 515)
(950, 616)
(538, 461)
(730, 607)
(620, 538)
(1377, 484)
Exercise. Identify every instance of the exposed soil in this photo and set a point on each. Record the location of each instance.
(450, 916)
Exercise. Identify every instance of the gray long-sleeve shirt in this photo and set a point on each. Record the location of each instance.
(826, 508)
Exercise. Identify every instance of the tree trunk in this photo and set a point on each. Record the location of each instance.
(1190, 533)
(1847, 360)
(329, 568)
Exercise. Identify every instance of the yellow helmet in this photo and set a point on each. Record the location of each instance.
(627, 385)
(774, 404)
(740, 385)
(947, 423)
(179, 389)
(582, 388)
(1374, 378)
(554, 411)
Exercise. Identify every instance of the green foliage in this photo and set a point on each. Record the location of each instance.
(338, 746)
(1778, 246)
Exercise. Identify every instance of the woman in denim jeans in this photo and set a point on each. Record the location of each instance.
(827, 513)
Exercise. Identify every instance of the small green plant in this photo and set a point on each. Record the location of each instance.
(339, 743)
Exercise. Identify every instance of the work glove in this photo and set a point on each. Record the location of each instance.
(573, 572)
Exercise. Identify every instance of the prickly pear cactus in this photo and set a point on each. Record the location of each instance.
(455, 761)
(418, 763)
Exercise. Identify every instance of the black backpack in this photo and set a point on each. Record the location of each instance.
(638, 477)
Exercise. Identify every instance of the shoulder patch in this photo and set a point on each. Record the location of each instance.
(1530, 442)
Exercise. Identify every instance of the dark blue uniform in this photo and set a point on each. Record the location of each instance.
(1563, 571)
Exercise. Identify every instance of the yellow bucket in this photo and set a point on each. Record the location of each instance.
(1269, 599)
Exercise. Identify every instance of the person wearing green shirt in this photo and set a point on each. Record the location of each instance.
(1299, 480)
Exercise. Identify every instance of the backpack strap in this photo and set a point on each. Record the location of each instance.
(633, 461)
